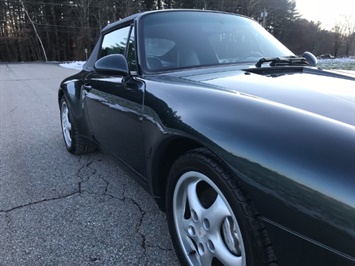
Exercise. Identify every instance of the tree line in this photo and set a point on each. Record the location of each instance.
(63, 30)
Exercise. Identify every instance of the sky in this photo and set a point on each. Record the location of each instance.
(328, 12)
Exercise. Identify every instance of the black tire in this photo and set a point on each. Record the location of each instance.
(210, 219)
(72, 140)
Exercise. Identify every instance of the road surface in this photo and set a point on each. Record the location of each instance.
(61, 209)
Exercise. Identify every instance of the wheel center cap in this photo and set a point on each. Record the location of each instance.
(202, 232)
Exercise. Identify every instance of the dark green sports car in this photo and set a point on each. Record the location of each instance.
(248, 148)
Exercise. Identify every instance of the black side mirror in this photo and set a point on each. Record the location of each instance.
(311, 59)
(114, 64)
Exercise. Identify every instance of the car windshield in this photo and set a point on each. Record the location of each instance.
(182, 39)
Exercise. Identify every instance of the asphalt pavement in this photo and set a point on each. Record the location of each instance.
(61, 209)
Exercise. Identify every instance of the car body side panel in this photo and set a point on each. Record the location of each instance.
(114, 108)
(292, 162)
(303, 251)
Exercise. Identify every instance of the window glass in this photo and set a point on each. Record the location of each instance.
(115, 42)
(131, 54)
(234, 46)
(177, 39)
(157, 47)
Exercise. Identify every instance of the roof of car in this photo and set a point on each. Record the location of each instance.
(138, 15)
(121, 21)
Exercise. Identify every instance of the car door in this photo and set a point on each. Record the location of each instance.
(113, 104)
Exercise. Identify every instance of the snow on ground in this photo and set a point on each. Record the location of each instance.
(75, 65)
(347, 63)
(344, 66)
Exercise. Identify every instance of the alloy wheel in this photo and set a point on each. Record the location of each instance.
(207, 229)
(66, 124)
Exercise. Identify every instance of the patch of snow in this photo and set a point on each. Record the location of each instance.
(346, 63)
(78, 65)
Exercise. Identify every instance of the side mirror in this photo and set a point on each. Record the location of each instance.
(311, 59)
(114, 64)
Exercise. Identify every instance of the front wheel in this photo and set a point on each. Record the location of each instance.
(210, 220)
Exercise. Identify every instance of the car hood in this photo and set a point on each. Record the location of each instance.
(331, 97)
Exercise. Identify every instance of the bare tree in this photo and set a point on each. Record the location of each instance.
(35, 29)
(62, 29)
(338, 38)
(349, 30)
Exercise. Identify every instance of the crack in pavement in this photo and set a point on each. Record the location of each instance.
(138, 230)
(88, 175)
(78, 191)
(90, 172)
(144, 243)
(84, 178)
(38, 202)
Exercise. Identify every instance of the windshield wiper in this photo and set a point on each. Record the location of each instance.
(283, 61)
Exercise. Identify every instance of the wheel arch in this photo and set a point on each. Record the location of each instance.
(60, 95)
(165, 156)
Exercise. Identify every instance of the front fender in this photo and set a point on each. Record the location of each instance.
(297, 166)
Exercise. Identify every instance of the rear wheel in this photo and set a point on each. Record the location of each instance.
(211, 222)
(72, 139)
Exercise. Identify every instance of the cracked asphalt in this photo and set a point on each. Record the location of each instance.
(61, 209)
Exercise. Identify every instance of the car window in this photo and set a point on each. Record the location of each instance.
(158, 53)
(176, 40)
(157, 46)
(115, 42)
(235, 46)
(131, 53)
(225, 45)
